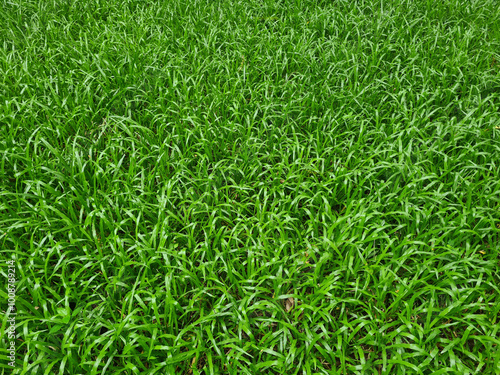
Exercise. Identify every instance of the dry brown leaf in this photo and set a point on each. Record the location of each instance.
(190, 371)
(289, 303)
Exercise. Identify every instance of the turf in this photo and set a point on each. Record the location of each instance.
(246, 187)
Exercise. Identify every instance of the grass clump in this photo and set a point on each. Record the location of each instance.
(306, 187)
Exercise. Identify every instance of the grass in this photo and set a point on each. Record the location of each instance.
(243, 187)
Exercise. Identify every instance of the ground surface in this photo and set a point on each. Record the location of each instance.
(251, 187)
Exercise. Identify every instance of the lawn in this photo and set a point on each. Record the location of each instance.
(250, 187)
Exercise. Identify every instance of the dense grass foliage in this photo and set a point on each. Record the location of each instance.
(244, 187)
